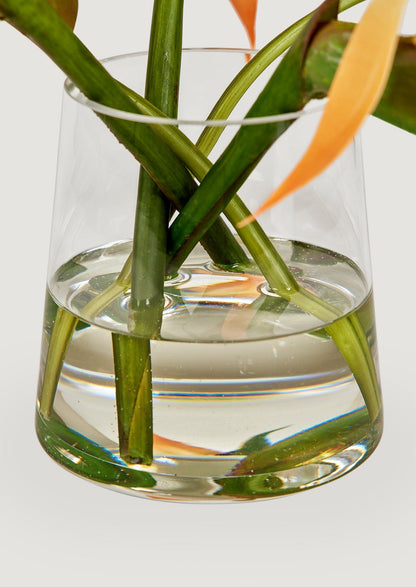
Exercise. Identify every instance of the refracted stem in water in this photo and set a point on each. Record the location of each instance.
(133, 376)
(324, 440)
(80, 454)
(62, 331)
(111, 293)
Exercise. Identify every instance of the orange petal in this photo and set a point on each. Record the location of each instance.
(67, 10)
(247, 11)
(354, 94)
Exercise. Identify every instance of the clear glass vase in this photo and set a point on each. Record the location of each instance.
(245, 390)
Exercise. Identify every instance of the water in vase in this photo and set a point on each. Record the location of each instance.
(251, 396)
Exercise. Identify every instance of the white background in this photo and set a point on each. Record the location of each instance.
(56, 529)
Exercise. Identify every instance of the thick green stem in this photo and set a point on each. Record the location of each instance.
(153, 209)
(149, 259)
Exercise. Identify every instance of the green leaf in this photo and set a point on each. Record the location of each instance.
(255, 443)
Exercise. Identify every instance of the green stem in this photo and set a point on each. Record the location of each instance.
(346, 332)
(62, 331)
(111, 293)
(153, 210)
(149, 259)
(133, 378)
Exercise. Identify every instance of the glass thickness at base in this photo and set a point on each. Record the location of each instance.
(100, 466)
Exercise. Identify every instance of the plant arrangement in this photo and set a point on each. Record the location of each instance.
(185, 201)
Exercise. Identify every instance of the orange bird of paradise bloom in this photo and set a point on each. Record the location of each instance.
(247, 12)
(354, 94)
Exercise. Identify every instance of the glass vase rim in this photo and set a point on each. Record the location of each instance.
(75, 94)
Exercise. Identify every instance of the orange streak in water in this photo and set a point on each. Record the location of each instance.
(169, 447)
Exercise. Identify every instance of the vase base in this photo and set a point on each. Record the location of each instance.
(103, 469)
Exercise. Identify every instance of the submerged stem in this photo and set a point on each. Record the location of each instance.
(133, 379)
(62, 331)
(111, 293)
(324, 440)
